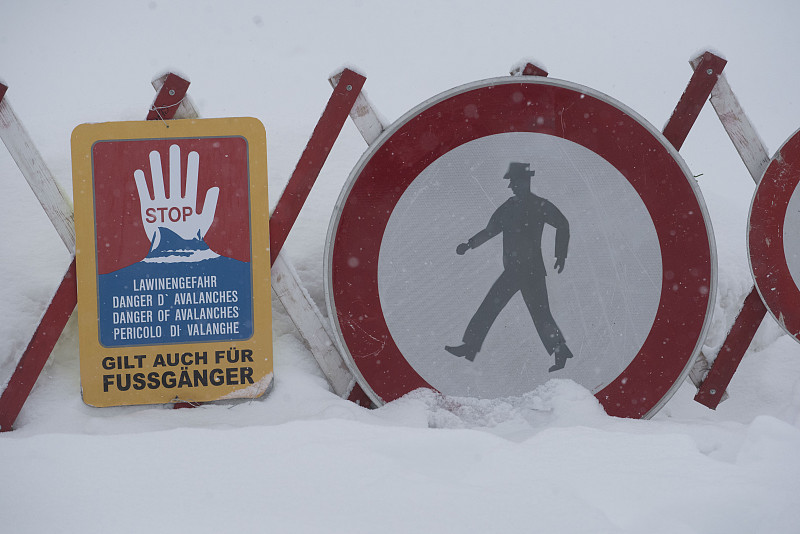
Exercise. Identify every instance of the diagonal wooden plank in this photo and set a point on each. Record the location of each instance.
(51, 196)
(168, 98)
(313, 158)
(693, 98)
(303, 311)
(737, 125)
(363, 115)
(711, 388)
(186, 108)
(730, 355)
(38, 350)
(712, 383)
(313, 327)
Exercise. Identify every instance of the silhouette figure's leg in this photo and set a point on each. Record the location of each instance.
(494, 302)
(534, 292)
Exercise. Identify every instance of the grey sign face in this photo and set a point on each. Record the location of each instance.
(592, 311)
(791, 236)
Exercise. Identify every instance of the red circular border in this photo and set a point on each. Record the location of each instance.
(765, 236)
(539, 107)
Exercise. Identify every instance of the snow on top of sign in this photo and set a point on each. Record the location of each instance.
(348, 66)
(166, 73)
(700, 51)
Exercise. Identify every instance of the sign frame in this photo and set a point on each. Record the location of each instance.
(766, 221)
(249, 359)
(638, 392)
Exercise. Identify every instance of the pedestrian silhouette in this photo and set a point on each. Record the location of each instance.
(521, 220)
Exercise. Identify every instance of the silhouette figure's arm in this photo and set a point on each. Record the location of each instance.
(481, 237)
(556, 219)
(492, 229)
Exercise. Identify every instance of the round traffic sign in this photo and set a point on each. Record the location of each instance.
(514, 230)
(772, 236)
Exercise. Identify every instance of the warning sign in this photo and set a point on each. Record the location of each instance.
(173, 260)
(515, 230)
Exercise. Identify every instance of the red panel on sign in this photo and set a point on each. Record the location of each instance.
(545, 108)
(119, 229)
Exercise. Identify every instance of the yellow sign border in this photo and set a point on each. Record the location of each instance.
(181, 384)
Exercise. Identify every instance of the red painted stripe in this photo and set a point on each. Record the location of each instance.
(358, 396)
(312, 159)
(3, 89)
(168, 98)
(732, 351)
(35, 356)
(694, 97)
(532, 70)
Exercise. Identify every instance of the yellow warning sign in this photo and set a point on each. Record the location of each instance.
(172, 237)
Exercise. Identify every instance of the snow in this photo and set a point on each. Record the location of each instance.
(301, 459)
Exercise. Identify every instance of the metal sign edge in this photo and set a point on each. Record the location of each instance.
(761, 293)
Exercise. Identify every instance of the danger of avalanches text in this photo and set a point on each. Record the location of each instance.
(185, 378)
(134, 321)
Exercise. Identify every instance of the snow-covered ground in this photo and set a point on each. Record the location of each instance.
(301, 459)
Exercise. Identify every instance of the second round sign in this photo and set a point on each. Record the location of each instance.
(515, 230)
(772, 231)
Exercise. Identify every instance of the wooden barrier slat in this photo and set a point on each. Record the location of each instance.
(311, 161)
(48, 192)
(38, 350)
(694, 97)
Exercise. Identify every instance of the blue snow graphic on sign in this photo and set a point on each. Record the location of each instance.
(181, 292)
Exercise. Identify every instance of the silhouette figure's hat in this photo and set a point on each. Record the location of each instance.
(517, 170)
